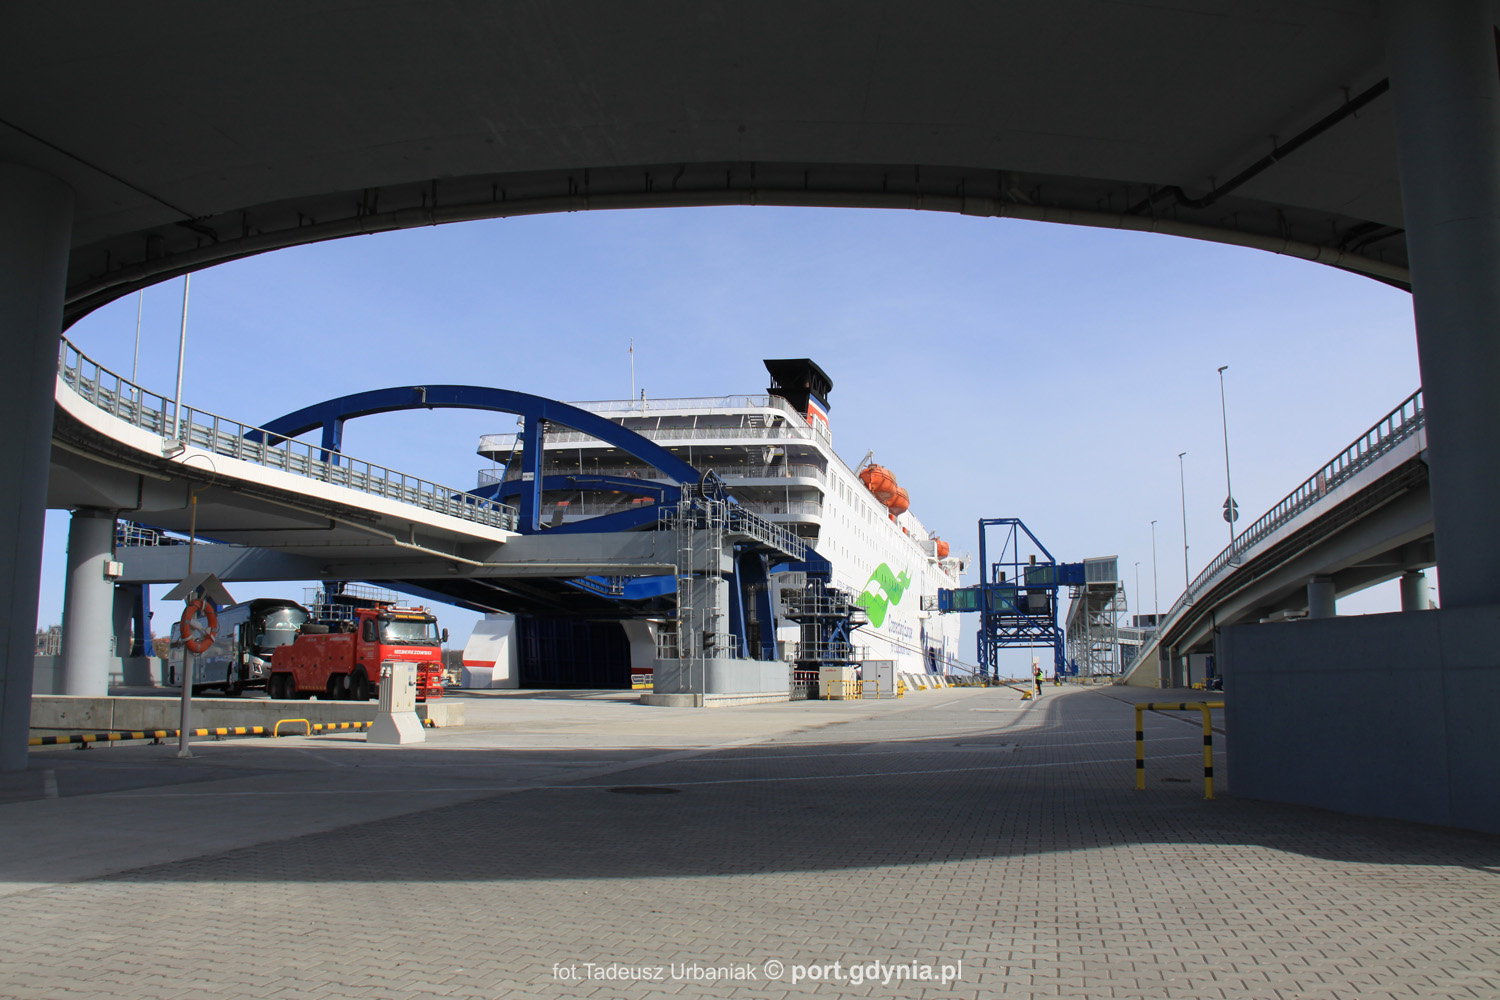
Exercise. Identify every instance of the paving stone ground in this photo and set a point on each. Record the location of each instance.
(567, 848)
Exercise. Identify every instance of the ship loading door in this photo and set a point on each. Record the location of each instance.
(568, 653)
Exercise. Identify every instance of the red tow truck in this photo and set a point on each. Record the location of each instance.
(341, 662)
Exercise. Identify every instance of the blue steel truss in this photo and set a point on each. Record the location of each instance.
(535, 411)
(1017, 601)
(753, 559)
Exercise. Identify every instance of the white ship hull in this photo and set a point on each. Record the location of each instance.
(779, 463)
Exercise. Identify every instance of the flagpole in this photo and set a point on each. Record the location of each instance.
(632, 367)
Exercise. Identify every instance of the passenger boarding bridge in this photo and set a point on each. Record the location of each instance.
(265, 506)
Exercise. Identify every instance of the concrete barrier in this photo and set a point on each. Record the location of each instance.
(131, 671)
(1378, 715)
(54, 712)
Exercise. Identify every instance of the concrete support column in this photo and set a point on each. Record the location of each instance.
(36, 223)
(1445, 85)
(88, 605)
(1414, 591)
(1320, 600)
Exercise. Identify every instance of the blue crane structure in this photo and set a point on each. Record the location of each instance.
(1017, 601)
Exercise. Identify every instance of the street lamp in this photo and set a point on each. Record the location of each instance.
(1231, 509)
(177, 426)
(1182, 484)
(135, 364)
(1155, 603)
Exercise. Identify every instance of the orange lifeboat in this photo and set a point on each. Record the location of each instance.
(880, 481)
(899, 503)
(942, 548)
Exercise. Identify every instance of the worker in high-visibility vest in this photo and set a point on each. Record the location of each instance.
(1036, 676)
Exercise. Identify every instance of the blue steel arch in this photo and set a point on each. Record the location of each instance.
(331, 415)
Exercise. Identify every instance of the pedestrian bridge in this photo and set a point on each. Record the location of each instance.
(120, 447)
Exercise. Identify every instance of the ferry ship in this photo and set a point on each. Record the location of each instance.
(774, 451)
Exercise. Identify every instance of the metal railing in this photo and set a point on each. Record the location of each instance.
(747, 523)
(128, 533)
(570, 510)
(1395, 427)
(494, 443)
(122, 398)
(488, 477)
(680, 404)
(1401, 423)
(735, 402)
(707, 646)
(574, 509)
(604, 586)
(824, 652)
(736, 520)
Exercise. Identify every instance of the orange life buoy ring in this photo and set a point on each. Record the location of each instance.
(197, 642)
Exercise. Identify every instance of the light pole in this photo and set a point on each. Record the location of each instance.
(1231, 509)
(181, 353)
(135, 363)
(1182, 484)
(1155, 603)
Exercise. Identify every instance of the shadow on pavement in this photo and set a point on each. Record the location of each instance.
(1050, 784)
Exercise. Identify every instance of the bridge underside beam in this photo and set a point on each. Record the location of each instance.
(1379, 547)
(534, 556)
(110, 269)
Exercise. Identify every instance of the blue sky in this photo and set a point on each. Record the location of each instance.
(1001, 368)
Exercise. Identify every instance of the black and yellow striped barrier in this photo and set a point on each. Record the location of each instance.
(115, 736)
(1176, 706)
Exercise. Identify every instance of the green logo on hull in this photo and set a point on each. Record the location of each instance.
(894, 586)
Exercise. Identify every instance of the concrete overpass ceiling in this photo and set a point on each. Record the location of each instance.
(194, 134)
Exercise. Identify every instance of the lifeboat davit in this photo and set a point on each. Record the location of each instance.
(880, 481)
(899, 503)
(942, 548)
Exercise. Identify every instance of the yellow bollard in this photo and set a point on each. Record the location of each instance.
(1208, 738)
(1140, 749)
(1208, 755)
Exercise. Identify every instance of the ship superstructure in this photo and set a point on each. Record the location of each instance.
(774, 452)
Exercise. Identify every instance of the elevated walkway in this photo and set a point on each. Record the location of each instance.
(1362, 519)
(119, 447)
(262, 505)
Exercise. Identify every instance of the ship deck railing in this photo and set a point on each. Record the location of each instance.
(488, 477)
(506, 443)
(692, 404)
(571, 510)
